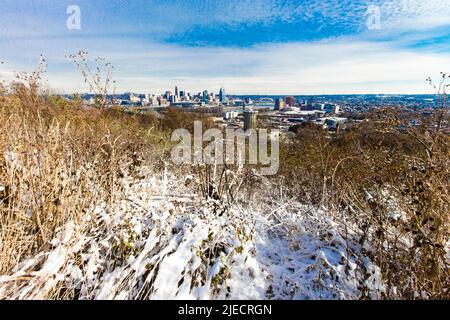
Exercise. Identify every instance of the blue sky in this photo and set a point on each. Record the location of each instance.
(247, 46)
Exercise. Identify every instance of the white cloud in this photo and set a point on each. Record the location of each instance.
(339, 66)
(416, 15)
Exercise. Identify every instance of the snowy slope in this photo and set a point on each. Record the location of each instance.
(160, 241)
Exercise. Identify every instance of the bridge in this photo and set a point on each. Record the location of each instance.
(266, 100)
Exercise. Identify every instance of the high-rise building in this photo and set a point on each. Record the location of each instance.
(176, 91)
(206, 95)
(290, 101)
(222, 96)
(250, 119)
(279, 104)
(167, 95)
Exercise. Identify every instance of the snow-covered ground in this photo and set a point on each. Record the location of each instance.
(161, 241)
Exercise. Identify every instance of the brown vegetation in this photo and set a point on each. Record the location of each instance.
(390, 177)
(387, 176)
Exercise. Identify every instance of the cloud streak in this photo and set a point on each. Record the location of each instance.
(337, 66)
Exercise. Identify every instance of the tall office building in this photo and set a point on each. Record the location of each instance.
(250, 119)
(290, 101)
(279, 104)
(176, 91)
(222, 96)
(206, 95)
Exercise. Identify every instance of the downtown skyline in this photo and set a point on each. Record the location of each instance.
(249, 47)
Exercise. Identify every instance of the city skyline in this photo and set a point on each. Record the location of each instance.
(246, 47)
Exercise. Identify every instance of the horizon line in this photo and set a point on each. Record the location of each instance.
(273, 95)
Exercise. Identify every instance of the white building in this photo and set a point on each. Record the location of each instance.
(230, 115)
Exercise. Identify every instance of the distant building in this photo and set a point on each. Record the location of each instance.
(279, 104)
(337, 109)
(290, 101)
(186, 104)
(334, 123)
(173, 99)
(176, 91)
(331, 108)
(163, 102)
(230, 115)
(313, 106)
(222, 97)
(238, 103)
(205, 95)
(135, 99)
(250, 119)
(154, 100)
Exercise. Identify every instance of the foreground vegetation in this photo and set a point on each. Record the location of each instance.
(379, 192)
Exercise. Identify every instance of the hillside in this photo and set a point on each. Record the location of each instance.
(92, 208)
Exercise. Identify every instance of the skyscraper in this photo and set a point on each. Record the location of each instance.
(176, 92)
(279, 104)
(222, 96)
(290, 101)
(206, 95)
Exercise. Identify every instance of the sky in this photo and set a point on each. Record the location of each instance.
(246, 46)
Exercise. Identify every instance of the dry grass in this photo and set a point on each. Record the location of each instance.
(384, 178)
(391, 180)
(57, 161)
